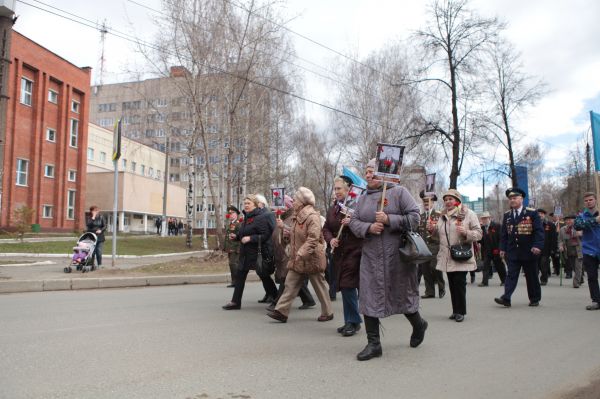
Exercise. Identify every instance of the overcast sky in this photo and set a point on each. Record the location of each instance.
(559, 40)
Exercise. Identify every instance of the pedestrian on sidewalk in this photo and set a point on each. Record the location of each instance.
(521, 244)
(97, 224)
(232, 246)
(588, 222)
(347, 249)
(457, 225)
(307, 257)
(570, 246)
(388, 286)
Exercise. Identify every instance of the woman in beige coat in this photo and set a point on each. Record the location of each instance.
(307, 258)
(457, 225)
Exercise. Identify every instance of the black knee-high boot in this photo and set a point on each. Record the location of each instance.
(373, 348)
(419, 326)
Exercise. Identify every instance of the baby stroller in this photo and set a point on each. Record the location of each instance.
(83, 259)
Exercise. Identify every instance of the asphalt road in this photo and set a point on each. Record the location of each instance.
(176, 342)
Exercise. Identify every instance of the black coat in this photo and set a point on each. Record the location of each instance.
(96, 224)
(256, 224)
(550, 239)
(490, 242)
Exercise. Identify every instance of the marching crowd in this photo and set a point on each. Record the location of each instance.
(295, 244)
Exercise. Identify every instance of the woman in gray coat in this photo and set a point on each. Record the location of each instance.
(387, 285)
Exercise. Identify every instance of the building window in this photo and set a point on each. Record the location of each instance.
(47, 211)
(22, 170)
(49, 171)
(102, 156)
(158, 174)
(72, 175)
(26, 91)
(90, 154)
(143, 170)
(75, 106)
(51, 135)
(106, 122)
(70, 204)
(74, 133)
(52, 96)
(112, 107)
(151, 172)
(124, 163)
(133, 166)
(129, 105)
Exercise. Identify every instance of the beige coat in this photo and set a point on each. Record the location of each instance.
(307, 246)
(469, 220)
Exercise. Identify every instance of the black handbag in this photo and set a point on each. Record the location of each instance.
(459, 252)
(265, 265)
(413, 248)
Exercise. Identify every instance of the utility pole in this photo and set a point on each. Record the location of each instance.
(164, 231)
(483, 189)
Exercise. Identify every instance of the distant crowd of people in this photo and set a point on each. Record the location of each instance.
(174, 226)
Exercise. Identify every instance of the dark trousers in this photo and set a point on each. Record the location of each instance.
(457, 281)
(350, 300)
(98, 252)
(498, 265)
(530, 267)
(590, 263)
(304, 293)
(544, 266)
(556, 263)
(432, 276)
(240, 283)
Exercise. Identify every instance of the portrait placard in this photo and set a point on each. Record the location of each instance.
(277, 197)
(351, 200)
(430, 184)
(389, 160)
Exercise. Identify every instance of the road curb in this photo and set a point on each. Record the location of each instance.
(38, 255)
(9, 287)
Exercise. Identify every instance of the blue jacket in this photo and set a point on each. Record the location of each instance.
(590, 242)
(521, 234)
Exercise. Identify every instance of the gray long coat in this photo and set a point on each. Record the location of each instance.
(387, 285)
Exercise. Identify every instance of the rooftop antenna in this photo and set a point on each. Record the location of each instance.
(103, 32)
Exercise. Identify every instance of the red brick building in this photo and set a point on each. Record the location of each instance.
(45, 141)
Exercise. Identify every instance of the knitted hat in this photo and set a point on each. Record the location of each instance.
(305, 196)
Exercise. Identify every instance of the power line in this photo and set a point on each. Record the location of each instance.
(217, 69)
(334, 80)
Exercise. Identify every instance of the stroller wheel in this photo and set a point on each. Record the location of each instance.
(67, 269)
(79, 267)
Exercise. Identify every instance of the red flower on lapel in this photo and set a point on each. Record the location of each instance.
(249, 220)
(385, 202)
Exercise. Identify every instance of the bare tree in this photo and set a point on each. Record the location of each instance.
(381, 110)
(454, 41)
(511, 91)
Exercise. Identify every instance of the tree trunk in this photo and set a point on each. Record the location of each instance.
(455, 171)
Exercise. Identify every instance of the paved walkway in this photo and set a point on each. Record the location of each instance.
(176, 342)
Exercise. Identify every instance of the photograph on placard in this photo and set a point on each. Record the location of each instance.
(389, 160)
(430, 183)
(277, 197)
(351, 200)
(558, 210)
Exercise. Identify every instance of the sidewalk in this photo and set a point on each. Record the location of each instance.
(46, 273)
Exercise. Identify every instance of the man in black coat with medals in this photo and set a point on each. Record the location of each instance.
(521, 243)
